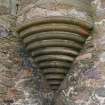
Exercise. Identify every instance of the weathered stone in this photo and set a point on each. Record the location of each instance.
(90, 73)
(100, 92)
(4, 7)
(3, 90)
(3, 32)
(85, 56)
(4, 10)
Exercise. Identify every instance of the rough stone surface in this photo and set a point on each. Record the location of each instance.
(21, 83)
(4, 7)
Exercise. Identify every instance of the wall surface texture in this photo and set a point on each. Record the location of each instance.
(21, 83)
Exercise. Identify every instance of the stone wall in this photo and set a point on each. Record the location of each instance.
(21, 83)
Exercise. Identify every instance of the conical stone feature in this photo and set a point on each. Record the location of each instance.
(54, 42)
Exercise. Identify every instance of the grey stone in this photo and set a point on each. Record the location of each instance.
(100, 92)
(3, 32)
